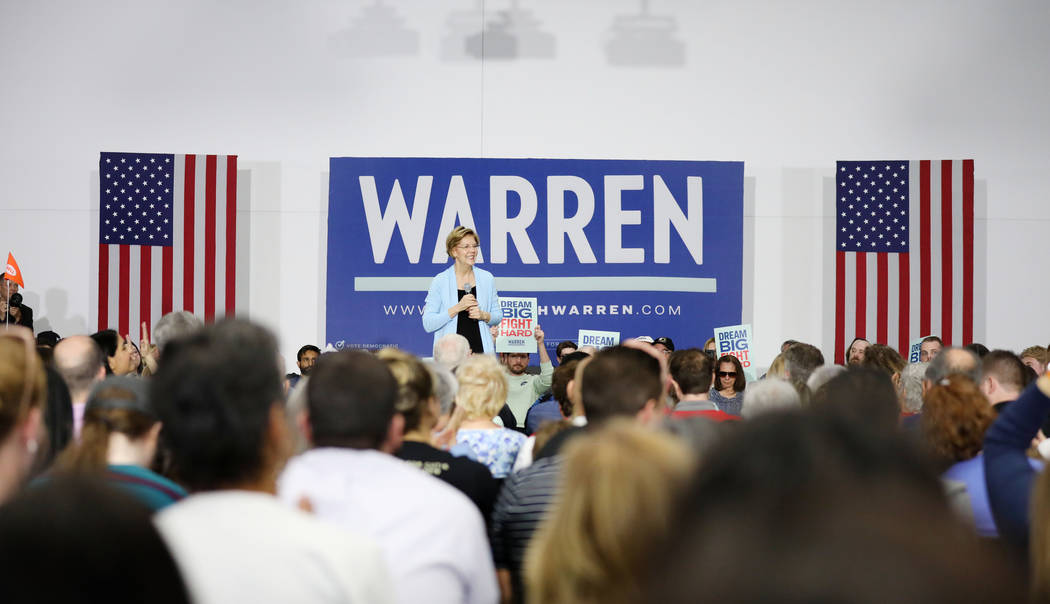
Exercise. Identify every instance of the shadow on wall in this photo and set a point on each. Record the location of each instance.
(379, 31)
(514, 33)
(644, 40)
(53, 315)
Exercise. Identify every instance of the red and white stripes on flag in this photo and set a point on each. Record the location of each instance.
(893, 298)
(193, 262)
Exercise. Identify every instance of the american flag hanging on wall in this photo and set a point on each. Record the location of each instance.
(904, 263)
(168, 238)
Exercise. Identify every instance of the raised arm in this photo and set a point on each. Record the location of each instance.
(1008, 474)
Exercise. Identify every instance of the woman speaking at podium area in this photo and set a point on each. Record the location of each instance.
(463, 296)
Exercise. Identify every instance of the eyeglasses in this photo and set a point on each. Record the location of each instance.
(468, 246)
(723, 374)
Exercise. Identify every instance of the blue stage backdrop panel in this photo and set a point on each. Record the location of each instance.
(639, 247)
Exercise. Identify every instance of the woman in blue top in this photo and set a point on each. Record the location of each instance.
(482, 393)
(463, 296)
(119, 441)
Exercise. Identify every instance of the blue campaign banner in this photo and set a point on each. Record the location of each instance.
(640, 247)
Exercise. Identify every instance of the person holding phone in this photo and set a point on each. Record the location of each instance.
(463, 296)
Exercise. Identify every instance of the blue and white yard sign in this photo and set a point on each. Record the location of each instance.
(639, 247)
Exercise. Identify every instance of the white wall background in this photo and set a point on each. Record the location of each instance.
(788, 87)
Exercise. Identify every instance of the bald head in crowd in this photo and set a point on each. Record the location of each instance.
(951, 361)
(81, 363)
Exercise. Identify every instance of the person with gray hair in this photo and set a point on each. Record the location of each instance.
(445, 385)
(174, 325)
(822, 375)
(950, 361)
(451, 350)
(767, 395)
(912, 384)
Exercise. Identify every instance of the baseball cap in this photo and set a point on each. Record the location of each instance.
(667, 342)
(134, 395)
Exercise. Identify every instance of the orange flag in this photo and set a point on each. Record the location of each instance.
(12, 272)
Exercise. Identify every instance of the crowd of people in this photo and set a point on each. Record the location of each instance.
(191, 468)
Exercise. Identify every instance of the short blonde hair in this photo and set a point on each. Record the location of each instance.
(457, 235)
(619, 488)
(482, 387)
(1036, 352)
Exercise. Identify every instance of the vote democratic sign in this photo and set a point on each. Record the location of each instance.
(639, 247)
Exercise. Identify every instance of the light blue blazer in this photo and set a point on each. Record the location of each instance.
(443, 295)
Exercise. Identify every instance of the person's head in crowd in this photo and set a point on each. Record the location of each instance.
(8, 288)
(710, 348)
(929, 348)
(788, 344)
(81, 363)
(116, 350)
(58, 420)
(120, 428)
(515, 362)
(306, 357)
(575, 387)
(174, 325)
(415, 395)
(1035, 357)
(822, 375)
(100, 540)
(23, 393)
(799, 361)
(135, 358)
(295, 416)
(621, 382)
(1002, 376)
(855, 352)
(729, 376)
(664, 344)
(953, 360)
(784, 507)
(445, 388)
(47, 338)
(223, 421)
(887, 360)
(618, 488)
(862, 395)
(955, 416)
(912, 378)
(352, 403)
(564, 374)
(691, 373)
(777, 369)
(977, 348)
(482, 387)
(564, 348)
(769, 395)
(451, 350)
(1030, 374)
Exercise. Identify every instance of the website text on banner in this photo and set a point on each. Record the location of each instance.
(640, 247)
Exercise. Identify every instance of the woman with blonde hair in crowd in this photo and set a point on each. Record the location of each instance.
(482, 393)
(23, 390)
(619, 486)
(119, 442)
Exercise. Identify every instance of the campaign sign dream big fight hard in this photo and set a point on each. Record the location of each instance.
(639, 247)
